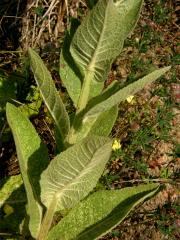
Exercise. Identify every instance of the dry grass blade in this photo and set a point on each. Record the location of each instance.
(43, 22)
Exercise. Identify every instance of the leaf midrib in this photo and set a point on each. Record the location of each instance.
(92, 63)
(45, 99)
(90, 70)
(58, 195)
(41, 84)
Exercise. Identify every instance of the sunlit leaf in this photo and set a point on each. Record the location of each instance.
(125, 92)
(33, 159)
(49, 93)
(99, 40)
(8, 186)
(71, 75)
(105, 122)
(100, 212)
(98, 125)
(75, 172)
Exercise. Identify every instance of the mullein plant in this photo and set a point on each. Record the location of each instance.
(64, 186)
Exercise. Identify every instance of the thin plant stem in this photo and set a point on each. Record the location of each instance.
(84, 95)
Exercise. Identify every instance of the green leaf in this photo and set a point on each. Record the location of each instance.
(105, 122)
(100, 212)
(49, 93)
(96, 125)
(82, 129)
(7, 186)
(124, 93)
(12, 194)
(99, 125)
(99, 40)
(75, 172)
(107, 92)
(34, 100)
(33, 159)
(70, 74)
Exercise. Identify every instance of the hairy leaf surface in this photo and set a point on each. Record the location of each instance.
(125, 92)
(49, 93)
(71, 75)
(100, 125)
(105, 122)
(33, 159)
(75, 172)
(99, 39)
(97, 125)
(100, 212)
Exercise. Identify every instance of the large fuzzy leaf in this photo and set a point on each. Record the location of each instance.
(49, 93)
(75, 172)
(105, 122)
(100, 125)
(99, 39)
(69, 71)
(100, 212)
(33, 159)
(97, 125)
(124, 93)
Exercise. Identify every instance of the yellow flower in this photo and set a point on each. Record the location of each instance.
(116, 145)
(130, 99)
(8, 210)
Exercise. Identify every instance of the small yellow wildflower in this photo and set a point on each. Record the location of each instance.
(8, 210)
(130, 99)
(116, 145)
